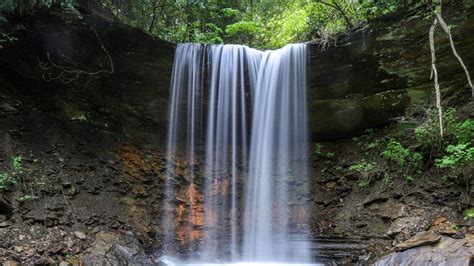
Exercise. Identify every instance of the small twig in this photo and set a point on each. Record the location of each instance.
(69, 206)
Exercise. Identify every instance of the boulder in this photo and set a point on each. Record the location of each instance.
(448, 251)
(420, 239)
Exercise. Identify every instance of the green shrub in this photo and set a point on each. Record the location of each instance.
(362, 183)
(428, 135)
(463, 131)
(6, 180)
(396, 152)
(456, 156)
(367, 171)
(319, 153)
(468, 214)
(242, 31)
(375, 144)
(410, 162)
(318, 149)
(10, 177)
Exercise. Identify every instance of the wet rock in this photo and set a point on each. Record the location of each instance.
(80, 235)
(420, 239)
(116, 249)
(447, 252)
(405, 224)
(55, 248)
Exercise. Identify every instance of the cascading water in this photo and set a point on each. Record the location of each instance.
(240, 113)
(277, 154)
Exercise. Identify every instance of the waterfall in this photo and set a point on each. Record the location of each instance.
(237, 116)
(277, 152)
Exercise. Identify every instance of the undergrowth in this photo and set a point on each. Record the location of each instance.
(409, 151)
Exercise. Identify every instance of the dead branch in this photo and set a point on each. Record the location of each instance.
(434, 75)
(438, 19)
(447, 30)
(69, 71)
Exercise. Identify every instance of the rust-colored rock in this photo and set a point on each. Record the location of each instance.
(439, 221)
(420, 239)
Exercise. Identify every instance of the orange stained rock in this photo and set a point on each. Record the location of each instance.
(196, 234)
(131, 159)
(195, 199)
(180, 210)
(184, 234)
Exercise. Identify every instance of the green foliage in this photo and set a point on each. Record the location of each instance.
(6, 180)
(10, 176)
(427, 132)
(229, 12)
(17, 163)
(373, 9)
(362, 183)
(396, 152)
(318, 149)
(242, 31)
(428, 135)
(463, 131)
(456, 156)
(468, 214)
(410, 162)
(367, 171)
(208, 33)
(27, 197)
(263, 23)
(373, 145)
(453, 151)
(319, 153)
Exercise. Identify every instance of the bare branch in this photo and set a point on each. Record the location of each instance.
(434, 75)
(69, 71)
(447, 30)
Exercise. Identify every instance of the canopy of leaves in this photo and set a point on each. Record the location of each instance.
(260, 23)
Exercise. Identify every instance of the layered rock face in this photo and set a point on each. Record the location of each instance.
(133, 100)
(374, 73)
